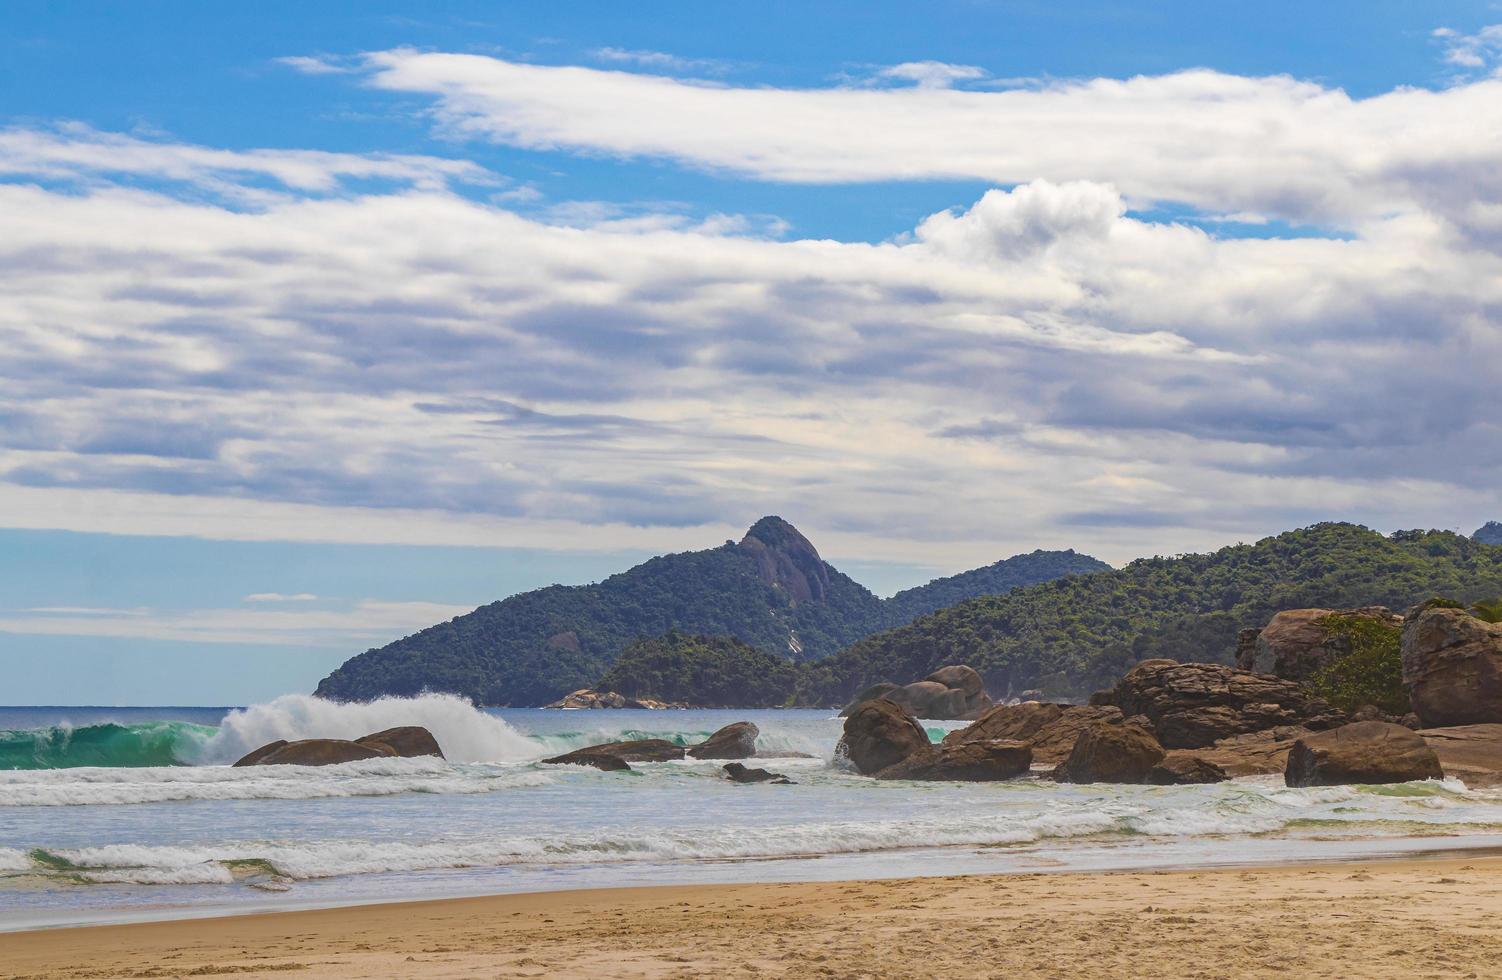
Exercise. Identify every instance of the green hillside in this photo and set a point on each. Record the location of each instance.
(1074, 635)
(702, 671)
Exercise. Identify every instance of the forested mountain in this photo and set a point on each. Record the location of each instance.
(771, 591)
(702, 671)
(1489, 533)
(1074, 635)
(1003, 576)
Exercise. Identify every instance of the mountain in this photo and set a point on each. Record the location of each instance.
(1003, 576)
(1073, 635)
(771, 591)
(702, 671)
(1489, 533)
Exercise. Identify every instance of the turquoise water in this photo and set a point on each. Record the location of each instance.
(112, 814)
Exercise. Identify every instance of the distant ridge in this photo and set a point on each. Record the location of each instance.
(1489, 533)
(770, 590)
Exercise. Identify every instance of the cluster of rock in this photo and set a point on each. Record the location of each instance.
(954, 693)
(1168, 723)
(407, 742)
(587, 698)
(734, 741)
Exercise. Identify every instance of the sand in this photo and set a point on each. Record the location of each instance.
(1439, 917)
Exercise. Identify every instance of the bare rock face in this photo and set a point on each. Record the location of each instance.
(638, 750)
(879, 734)
(787, 560)
(1295, 647)
(1185, 770)
(955, 693)
(313, 752)
(979, 759)
(1364, 752)
(1194, 705)
(1452, 667)
(1050, 729)
(735, 741)
(408, 742)
(1107, 753)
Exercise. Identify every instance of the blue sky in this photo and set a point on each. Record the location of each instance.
(319, 322)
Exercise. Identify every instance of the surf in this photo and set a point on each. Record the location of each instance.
(108, 744)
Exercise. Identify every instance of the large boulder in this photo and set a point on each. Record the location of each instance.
(1295, 645)
(1452, 667)
(638, 750)
(977, 760)
(1470, 753)
(1194, 705)
(955, 693)
(879, 734)
(1050, 729)
(1111, 753)
(1365, 752)
(313, 752)
(735, 741)
(408, 741)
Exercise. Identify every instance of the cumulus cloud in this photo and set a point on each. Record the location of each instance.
(1471, 52)
(1265, 147)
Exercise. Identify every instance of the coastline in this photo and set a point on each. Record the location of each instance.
(1430, 915)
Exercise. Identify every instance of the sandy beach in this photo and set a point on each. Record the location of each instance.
(1429, 917)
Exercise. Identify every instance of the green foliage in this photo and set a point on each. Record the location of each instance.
(1488, 611)
(702, 671)
(1371, 669)
(1003, 576)
(1092, 627)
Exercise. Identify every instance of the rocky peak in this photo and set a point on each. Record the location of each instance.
(785, 559)
(1489, 533)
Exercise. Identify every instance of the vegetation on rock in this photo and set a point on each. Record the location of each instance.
(1370, 673)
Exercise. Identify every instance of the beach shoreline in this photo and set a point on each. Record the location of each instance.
(1433, 914)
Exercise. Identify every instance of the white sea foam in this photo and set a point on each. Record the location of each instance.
(465, 733)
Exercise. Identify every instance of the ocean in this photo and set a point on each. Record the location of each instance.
(122, 814)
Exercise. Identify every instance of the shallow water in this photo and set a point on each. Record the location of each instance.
(111, 842)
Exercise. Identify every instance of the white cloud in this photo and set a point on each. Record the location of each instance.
(931, 74)
(1482, 50)
(659, 60)
(1270, 146)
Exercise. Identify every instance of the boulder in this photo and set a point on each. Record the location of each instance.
(408, 742)
(1452, 667)
(869, 694)
(1178, 769)
(639, 750)
(879, 734)
(255, 756)
(1195, 705)
(1111, 753)
(959, 678)
(1364, 752)
(602, 762)
(735, 741)
(955, 693)
(740, 774)
(1294, 645)
(1050, 729)
(975, 760)
(314, 752)
(1470, 753)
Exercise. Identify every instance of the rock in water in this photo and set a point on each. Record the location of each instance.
(314, 752)
(255, 756)
(1295, 646)
(1194, 705)
(1452, 667)
(409, 742)
(740, 774)
(976, 760)
(1185, 770)
(640, 750)
(735, 741)
(879, 734)
(1107, 753)
(1366, 752)
(600, 761)
(955, 693)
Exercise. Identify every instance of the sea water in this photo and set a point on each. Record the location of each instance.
(121, 814)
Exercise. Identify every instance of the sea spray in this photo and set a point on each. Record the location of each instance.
(465, 733)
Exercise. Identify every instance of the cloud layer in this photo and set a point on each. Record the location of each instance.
(1043, 367)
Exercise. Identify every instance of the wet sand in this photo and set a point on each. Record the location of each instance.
(1427, 917)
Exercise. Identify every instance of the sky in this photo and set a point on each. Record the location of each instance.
(320, 323)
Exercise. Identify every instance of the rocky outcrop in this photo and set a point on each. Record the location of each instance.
(1252, 754)
(955, 693)
(639, 750)
(738, 773)
(1111, 753)
(786, 560)
(879, 734)
(1365, 752)
(1452, 667)
(1470, 753)
(1295, 645)
(1195, 705)
(1185, 770)
(735, 741)
(409, 741)
(977, 760)
(589, 698)
(1049, 729)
